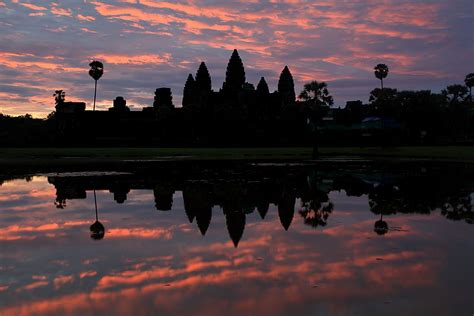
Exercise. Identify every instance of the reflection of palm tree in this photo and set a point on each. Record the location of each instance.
(458, 208)
(381, 72)
(60, 203)
(96, 71)
(315, 213)
(97, 229)
(381, 226)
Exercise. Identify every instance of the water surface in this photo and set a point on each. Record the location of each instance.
(335, 239)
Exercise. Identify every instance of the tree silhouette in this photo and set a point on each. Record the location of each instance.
(384, 102)
(381, 72)
(316, 213)
(455, 93)
(286, 86)
(469, 81)
(97, 229)
(235, 74)
(59, 97)
(96, 71)
(316, 94)
(188, 91)
(381, 226)
(316, 97)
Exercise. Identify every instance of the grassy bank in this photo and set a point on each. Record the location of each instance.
(18, 155)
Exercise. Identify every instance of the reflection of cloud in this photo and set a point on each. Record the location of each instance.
(35, 285)
(62, 280)
(158, 233)
(87, 274)
(15, 232)
(139, 267)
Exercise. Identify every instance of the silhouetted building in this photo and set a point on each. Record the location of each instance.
(286, 210)
(188, 91)
(120, 105)
(234, 76)
(235, 222)
(286, 87)
(163, 98)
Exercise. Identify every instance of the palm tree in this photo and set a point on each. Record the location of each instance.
(59, 96)
(96, 71)
(470, 83)
(316, 94)
(317, 99)
(381, 72)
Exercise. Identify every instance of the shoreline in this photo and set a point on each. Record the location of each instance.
(86, 156)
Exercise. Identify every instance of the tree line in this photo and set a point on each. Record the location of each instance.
(242, 114)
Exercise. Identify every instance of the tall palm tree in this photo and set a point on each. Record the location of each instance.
(381, 72)
(96, 71)
(470, 83)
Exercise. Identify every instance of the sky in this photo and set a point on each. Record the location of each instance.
(145, 44)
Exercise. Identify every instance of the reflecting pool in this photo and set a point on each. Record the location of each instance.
(339, 238)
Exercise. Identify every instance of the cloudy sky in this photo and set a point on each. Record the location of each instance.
(147, 44)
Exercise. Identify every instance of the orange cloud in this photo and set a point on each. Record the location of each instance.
(30, 6)
(62, 280)
(135, 59)
(56, 10)
(85, 17)
(158, 233)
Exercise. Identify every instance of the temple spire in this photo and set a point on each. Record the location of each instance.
(235, 74)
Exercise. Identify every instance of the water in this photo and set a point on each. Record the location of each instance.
(342, 238)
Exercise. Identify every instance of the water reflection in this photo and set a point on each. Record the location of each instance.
(241, 193)
(334, 240)
(97, 229)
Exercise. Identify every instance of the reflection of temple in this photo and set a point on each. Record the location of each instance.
(241, 191)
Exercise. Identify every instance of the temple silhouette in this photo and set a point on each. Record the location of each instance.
(243, 115)
(240, 114)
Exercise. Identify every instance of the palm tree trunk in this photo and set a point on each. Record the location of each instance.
(381, 82)
(95, 202)
(95, 93)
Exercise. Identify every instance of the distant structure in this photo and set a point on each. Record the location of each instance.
(234, 76)
(120, 105)
(242, 113)
(286, 87)
(163, 98)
